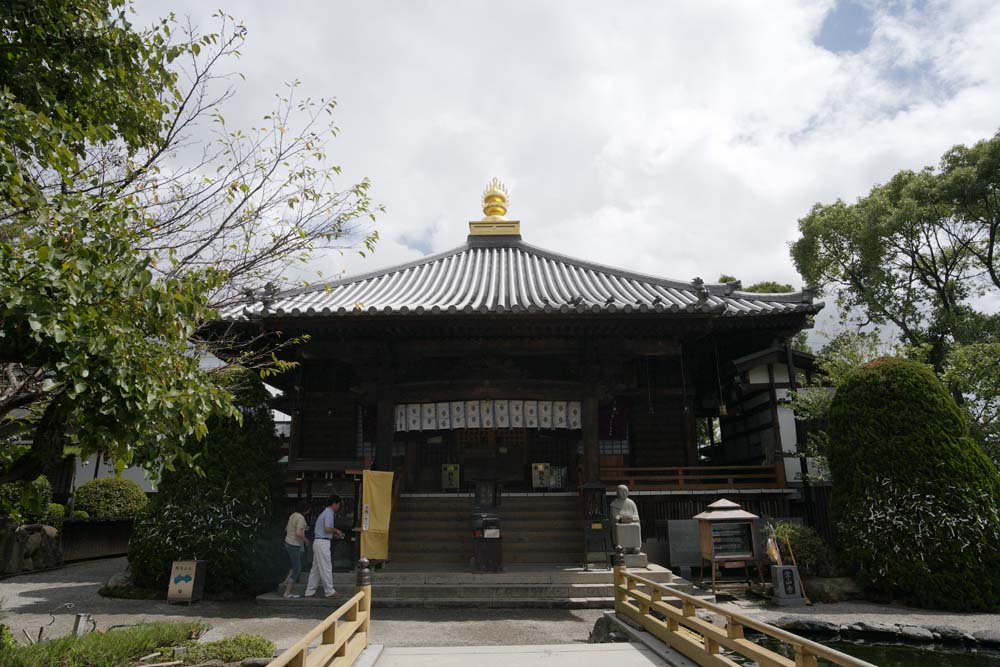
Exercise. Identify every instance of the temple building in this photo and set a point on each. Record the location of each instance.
(501, 359)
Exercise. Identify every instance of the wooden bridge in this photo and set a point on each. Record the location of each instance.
(683, 637)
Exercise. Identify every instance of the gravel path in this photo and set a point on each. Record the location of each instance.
(29, 599)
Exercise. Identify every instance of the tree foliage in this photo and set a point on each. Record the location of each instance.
(225, 511)
(915, 499)
(916, 256)
(123, 230)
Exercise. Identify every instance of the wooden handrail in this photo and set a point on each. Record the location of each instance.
(703, 641)
(344, 633)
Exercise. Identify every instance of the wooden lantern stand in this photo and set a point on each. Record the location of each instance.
(726, 537)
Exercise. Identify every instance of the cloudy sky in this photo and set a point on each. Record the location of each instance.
(679, 139)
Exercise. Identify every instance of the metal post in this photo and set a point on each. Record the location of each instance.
(80, 624)
(365, 586)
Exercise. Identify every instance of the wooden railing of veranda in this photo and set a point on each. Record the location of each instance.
(696, 477)
(643, 602)
(343, 634)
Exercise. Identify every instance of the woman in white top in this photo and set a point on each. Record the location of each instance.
(295, 546)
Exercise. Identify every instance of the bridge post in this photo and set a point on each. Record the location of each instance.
(365, 605)
(618, 568)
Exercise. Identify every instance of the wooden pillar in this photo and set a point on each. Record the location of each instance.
(590, 423)
(777, 452)
(385, 431)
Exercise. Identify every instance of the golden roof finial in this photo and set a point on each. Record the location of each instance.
(495, 198)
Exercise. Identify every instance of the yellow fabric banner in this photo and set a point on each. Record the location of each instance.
(376, 508)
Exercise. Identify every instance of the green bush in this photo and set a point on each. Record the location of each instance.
(915, 499)
(227, 514)
(117, 648)
(111, 498)
(80, 514)
(56, 514)
(812, 554)
(230, 649)
(26, 501)
(7, 641)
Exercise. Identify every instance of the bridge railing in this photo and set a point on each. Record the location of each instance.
(343, 634)
(642, 602)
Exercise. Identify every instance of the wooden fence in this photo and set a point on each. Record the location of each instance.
(696, 477)
(83, 539)
(344, 633)
(643, 602)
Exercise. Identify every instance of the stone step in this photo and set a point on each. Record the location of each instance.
(393, 574)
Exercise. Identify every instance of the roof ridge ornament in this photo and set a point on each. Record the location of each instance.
(496, 198)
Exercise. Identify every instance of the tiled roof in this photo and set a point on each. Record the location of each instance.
(506, 275)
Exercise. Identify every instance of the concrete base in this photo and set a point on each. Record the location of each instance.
(638, 560)
(557, 587)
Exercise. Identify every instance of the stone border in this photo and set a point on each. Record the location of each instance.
(923, 634)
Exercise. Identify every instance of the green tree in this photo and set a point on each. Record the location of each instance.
(118, 247)
(970, 178)
(915, 499)
(900, 255)
(763, 287)
(93, 347)
(221, 512)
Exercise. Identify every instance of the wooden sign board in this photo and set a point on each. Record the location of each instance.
(187, 581)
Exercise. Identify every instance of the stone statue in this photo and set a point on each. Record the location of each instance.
(627, 531)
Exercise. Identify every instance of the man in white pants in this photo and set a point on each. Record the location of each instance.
(322, 565)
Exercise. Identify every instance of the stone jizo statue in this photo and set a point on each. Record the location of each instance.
(627, 530)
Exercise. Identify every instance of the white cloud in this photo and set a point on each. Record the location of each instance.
(678, 139)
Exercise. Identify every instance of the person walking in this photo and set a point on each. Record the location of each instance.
(295, 546)
(322, 566)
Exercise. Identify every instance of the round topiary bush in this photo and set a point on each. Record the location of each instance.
(226, 513)
(110, 498)
(55, 514)
(915, 499)
(80, 514)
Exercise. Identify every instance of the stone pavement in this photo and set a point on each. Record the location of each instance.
(28, 601)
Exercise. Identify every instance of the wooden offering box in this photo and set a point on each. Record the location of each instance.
(726, 535)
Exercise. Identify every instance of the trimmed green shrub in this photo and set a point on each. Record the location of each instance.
(7, 641)
(56, 513)
(915, 499)
(111, 498)
(116, 648)
(26, 501)
(226, 513)
(80, 514)
(812, 554)
(230, 649)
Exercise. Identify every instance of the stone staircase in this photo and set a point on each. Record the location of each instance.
(518, 587)
(541, 529)
(534, 529)
(431, 530)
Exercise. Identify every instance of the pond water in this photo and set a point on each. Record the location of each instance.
(908, 655)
